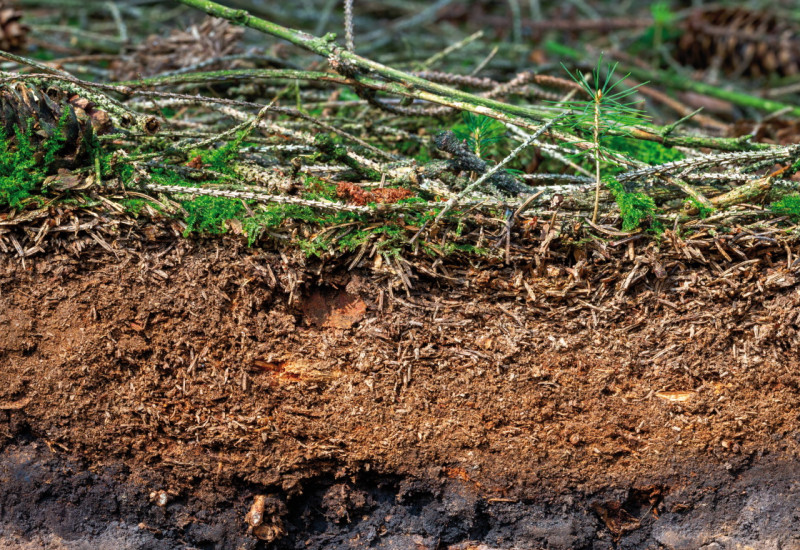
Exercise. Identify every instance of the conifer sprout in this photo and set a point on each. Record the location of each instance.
(606, 110)
(480, 132)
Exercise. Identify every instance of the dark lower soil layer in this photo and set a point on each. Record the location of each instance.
(54, 502)
(149, 397)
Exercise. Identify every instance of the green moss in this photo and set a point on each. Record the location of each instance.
(650, 152)
(209, 214)
(133, 206)
(703, 210)
(18, 174)
(390, 237)
(318, 189)
(450, 248)
(219, 159)
(788, 205)
(203, 213)
(274, 215)
(636, 209)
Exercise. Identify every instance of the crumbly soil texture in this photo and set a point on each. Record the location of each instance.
(177, 393)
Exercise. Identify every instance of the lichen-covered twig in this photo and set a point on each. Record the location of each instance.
(258, 197)
(121, 114)
(348, 25)
(777, 154)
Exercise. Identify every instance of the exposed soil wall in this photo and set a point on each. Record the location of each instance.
(149, 395)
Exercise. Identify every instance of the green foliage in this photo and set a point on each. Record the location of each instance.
(164, 176)
(318, 233)
(424, 155)
(788, 205)
(606, 110)
(111, 167)
(203, 213)
(663, 21)
(19, 176)
(479, 131)
(663, 30)
(347, 232)
(450, 248)
(346, 94)
(209, 214)
(662, 14)
(635, 208)
(221, 158)
(318, 189)
(389, 239)
(133, 206)
(274, 215)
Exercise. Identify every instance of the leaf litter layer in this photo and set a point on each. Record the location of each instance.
(403, 341)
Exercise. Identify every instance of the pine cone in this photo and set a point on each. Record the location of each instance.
(775, 130)
(740, 42)
(13, 34)
(212, 39)
(25, 108)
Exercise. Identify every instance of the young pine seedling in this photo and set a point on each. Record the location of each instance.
(605, 110)
(479, 132)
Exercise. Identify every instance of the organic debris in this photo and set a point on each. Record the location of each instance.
(381, 195)
(193, 47)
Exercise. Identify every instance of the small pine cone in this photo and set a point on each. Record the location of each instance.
(739, 41)
(203, 43)
(775, 130)
(26, 108)
(13, 34)
(86, 110)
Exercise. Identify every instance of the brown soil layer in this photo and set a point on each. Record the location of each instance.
(509, 406)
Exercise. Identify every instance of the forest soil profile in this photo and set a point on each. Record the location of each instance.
(400, 275)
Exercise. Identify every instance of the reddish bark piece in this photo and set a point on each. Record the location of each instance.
(381, 195)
